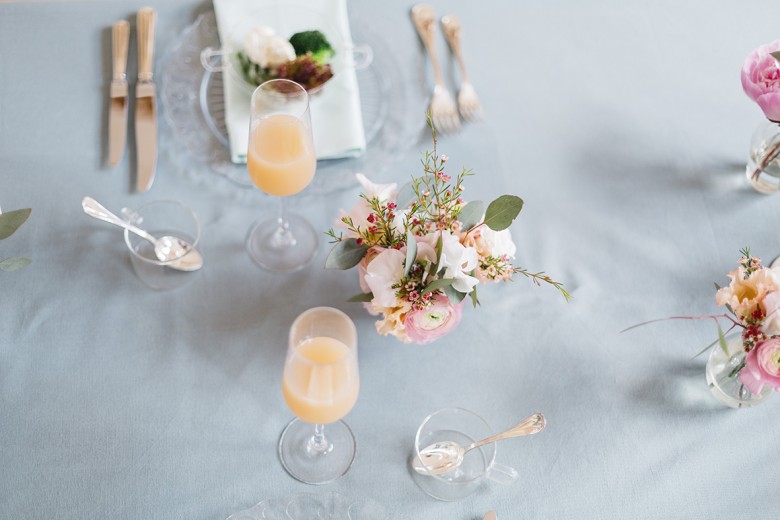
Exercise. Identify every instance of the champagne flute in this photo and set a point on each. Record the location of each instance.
(281, 162)
(320, 385)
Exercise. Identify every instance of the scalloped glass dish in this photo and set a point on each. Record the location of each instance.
(322, 506)
(393, 113)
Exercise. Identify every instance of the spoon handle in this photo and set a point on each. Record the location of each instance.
(96, 210)
(528, 426)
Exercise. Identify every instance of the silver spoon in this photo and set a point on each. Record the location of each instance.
(182, 255)
(445, 456)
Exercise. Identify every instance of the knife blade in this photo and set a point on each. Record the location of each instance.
(117, 110)
(146, 101)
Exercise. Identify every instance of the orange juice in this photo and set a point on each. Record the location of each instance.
(320, 382)
(280, 158)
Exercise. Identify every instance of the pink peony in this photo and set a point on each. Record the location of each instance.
(762, 366)
(761, 79)
(429, 324)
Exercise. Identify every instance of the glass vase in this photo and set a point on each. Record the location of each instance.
(763, 166)
(723, 375)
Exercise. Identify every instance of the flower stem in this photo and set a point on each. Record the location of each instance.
(766, 161)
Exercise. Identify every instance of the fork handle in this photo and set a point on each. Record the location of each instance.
(424, 20)
(451, 28)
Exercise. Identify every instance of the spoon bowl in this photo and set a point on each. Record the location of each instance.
(446, 456)
(177, 253)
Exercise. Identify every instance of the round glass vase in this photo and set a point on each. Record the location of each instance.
(723, 375)
(763, 165)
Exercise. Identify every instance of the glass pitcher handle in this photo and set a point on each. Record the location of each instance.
(213, 60)
(502, 474)
(362, 55)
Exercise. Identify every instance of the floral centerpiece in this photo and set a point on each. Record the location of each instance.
(761, 82)
(422, 250)
(752, 359)
(302, 58)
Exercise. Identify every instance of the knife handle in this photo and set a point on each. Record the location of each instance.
(120, 40)
(147, 20)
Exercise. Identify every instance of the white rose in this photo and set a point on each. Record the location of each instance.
(498, 243)
(266, 48)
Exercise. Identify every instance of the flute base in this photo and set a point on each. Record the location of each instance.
(282, 250)
(312, 464)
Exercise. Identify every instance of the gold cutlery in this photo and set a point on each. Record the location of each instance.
(145, 101)
(117, 110)
(443, 110)
(468, 102)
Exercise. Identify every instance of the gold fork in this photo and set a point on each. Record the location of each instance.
(468, 102)
(443, 110)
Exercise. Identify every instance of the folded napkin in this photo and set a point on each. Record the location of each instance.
(335, 111)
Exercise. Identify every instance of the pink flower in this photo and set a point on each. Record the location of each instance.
(771, 325)
(434, 321)
(761, 79)
(762, 366)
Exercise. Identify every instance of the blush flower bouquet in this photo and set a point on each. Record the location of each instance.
(421, 250)
(752, 300)
(761, 82)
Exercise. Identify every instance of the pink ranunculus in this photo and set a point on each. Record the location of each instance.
(761, 79)
(434, 321)
(762, 366)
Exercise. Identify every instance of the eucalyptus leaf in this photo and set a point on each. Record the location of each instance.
(454, 295)
(362, 297)
(345, 254)
(441, 283)
(474, 299)
(471, 214)
(717, 287)
(11, 220)
(722, 340)
(439, 247)
(411, 252)
(405, 195)
(14, 263)
(502, 211)
(776, 55)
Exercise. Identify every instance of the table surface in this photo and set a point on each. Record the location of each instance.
(624, 128)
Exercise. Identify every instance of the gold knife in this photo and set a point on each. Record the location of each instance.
(145, 101)
(117, 110)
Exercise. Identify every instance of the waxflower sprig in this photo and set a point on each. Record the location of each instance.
(422, 250)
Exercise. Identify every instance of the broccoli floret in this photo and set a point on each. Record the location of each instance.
(314, 42)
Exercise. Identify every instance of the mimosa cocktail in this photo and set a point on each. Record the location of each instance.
(320, 385)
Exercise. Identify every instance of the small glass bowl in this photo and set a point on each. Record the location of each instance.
(161, 218)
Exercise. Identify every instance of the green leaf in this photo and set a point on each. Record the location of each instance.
(722, 340)
(435, 267)
(345, 254)
(411, 252)
(705, 349)
(776, 55)
(362, 297)
(471, 214)
(454, 295)
(438, 284)
(10, 221)
(474, 299)
(717, 287)
(502, 211)
(14, 263)
(405, 195)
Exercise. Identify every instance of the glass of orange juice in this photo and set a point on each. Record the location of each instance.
(320, 385)
(281, 162)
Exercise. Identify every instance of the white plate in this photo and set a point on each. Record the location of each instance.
(393, 113)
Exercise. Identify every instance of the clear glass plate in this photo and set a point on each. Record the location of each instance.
(323, 506)
(393, 113)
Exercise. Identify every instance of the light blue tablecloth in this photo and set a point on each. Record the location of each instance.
(621, 124)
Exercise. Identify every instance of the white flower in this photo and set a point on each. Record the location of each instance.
(382, 273)
(264, 47)
(498, 243)
(359, 214)
(457, 260)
